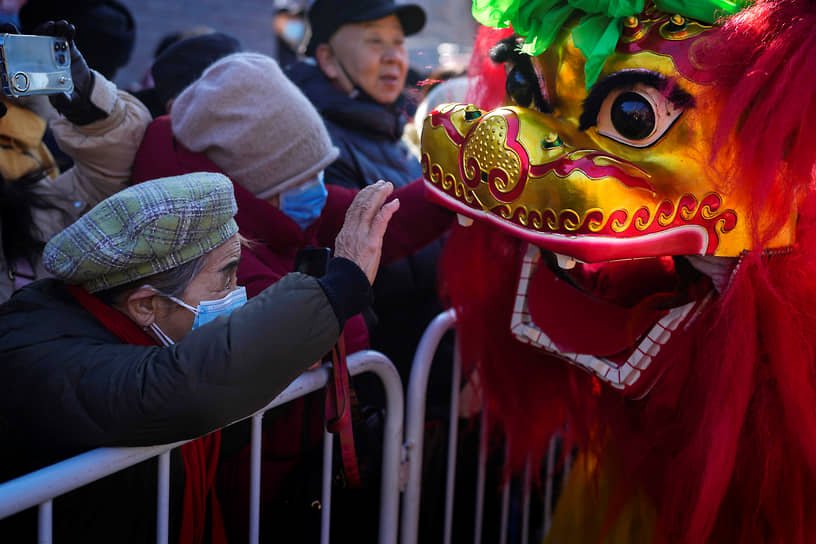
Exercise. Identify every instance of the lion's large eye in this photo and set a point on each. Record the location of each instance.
(637, 115)
(633, 116)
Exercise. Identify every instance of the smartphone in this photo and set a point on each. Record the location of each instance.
(313, 261)
(32, 65)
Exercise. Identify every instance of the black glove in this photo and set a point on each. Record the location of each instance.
(76, 107)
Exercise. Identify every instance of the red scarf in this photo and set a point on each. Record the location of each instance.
(200, 456)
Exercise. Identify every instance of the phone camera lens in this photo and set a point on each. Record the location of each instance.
(61, 58)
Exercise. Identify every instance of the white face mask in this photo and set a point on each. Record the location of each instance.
(206, 311)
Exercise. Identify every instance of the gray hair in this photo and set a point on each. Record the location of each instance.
(171, 282)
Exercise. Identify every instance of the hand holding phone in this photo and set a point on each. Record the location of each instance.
(75, 105)
(34, 65)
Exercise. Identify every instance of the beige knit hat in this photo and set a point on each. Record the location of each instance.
(246, 116)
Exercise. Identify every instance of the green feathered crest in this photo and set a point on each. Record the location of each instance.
(598, 31)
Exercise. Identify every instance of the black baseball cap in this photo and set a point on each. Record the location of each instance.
(327, 16)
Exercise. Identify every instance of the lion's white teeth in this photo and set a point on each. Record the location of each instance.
(463, 220)
(565, 262)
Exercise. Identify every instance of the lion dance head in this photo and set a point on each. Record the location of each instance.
(635, 262)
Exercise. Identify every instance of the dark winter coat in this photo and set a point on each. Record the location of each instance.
(68, 384)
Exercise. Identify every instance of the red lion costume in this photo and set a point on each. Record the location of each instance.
(642, 262)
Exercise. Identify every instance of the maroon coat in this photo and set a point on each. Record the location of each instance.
(416, 224)
(291, 430)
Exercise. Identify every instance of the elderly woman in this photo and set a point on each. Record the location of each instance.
(144, 338)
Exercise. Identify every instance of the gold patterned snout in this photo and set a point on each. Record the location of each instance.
(488, 159)
(511, 162)
(512, 166)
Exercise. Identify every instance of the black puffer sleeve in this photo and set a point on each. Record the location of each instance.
(67, 384)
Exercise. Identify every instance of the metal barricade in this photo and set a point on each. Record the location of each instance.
(413, 448)
(42, 486)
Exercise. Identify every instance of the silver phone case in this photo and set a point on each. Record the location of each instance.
(34, 65)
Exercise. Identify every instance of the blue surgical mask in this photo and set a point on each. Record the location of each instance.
(210, 309)
(206, 311)
(293, 31)
(304, 203)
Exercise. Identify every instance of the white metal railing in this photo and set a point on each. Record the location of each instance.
(415, 426)
(39, 488)
(413, 448)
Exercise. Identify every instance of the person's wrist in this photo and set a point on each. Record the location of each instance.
(347, 288)
(83, 113)
(79, 109)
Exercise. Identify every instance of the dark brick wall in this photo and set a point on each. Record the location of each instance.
(251, 22)
(248, 20)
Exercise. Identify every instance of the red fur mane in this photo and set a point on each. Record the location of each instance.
(725, 444)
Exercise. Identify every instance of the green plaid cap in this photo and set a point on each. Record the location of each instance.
(146, 229)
